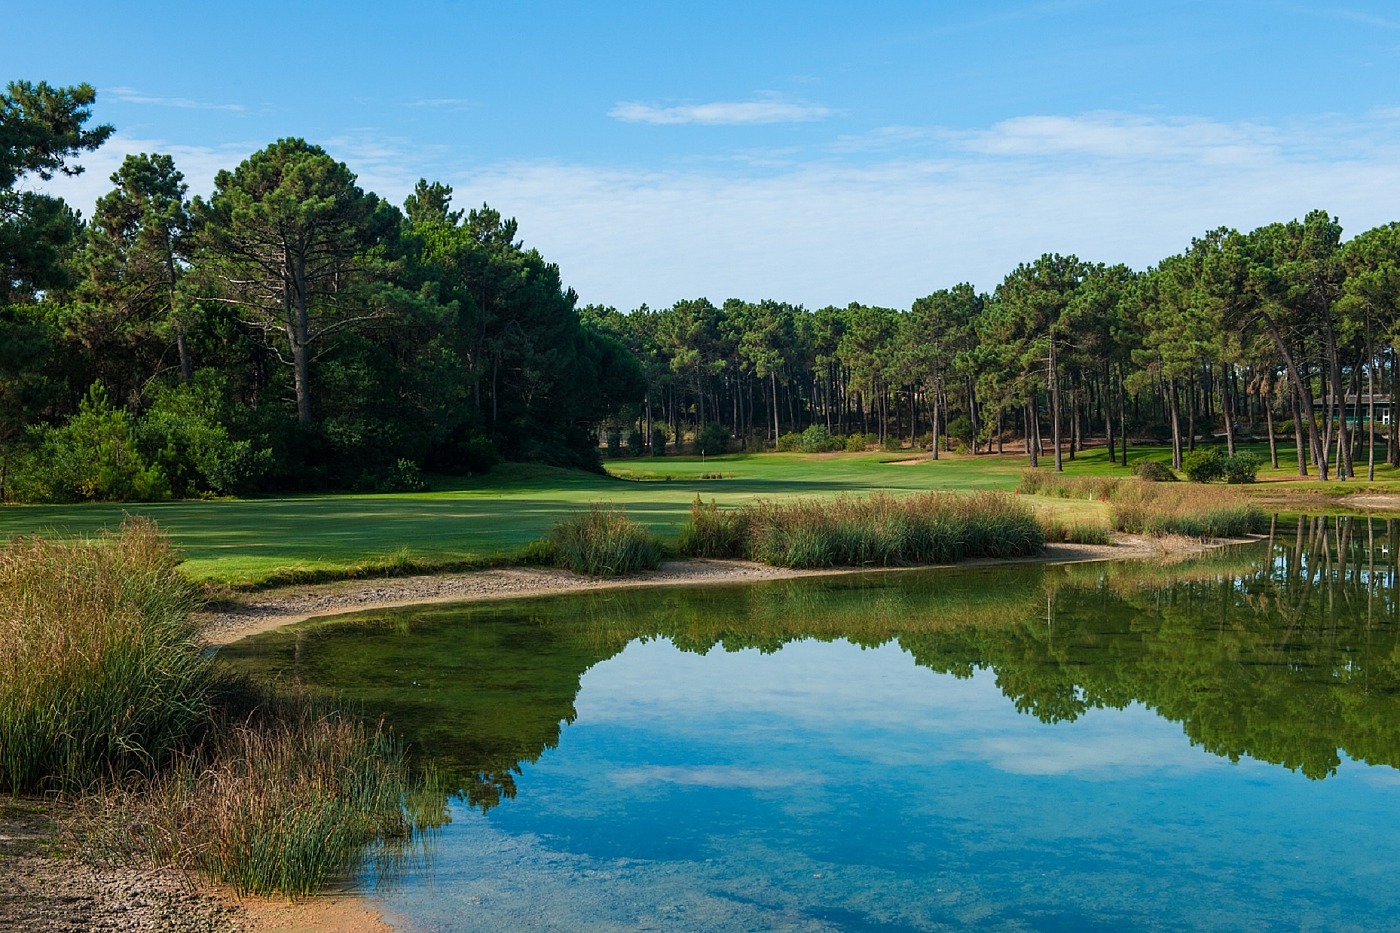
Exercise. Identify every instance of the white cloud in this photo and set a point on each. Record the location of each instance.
(133, 96)
(722, 113)
(886, 217)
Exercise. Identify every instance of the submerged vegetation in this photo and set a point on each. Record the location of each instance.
(106, 693)
(878, 530)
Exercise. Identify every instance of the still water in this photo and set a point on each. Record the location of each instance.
(1206, 745)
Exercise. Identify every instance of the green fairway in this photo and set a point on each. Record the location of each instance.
(243, 542)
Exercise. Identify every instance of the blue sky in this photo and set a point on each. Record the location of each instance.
(814, 152)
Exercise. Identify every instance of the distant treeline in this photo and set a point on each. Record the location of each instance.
(292, 331)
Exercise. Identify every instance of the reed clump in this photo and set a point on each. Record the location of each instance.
(1076, 532)
(289, 799)
(878, 530)
(107, 695)
(1192, 511)
(603, 542)
(101, 670)
(1139, 506)
(1046, 483)
(714, 532)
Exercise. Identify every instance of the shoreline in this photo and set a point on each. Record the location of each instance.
(55, 893)
(251, 614)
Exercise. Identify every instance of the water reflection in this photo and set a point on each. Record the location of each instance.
(1287, 652)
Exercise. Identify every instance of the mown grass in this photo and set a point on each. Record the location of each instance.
(107, 694)
(879, 530)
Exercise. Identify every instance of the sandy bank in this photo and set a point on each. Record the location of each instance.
(260, 612)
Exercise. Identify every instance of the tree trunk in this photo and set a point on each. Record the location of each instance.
(1055, 408)
(1176, 425)
(1228, 409)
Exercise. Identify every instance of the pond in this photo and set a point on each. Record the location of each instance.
(1210, 744)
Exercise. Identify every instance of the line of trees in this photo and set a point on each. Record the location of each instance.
(1282, 331)
(292, 331)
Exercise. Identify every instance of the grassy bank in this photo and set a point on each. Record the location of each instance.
(106, 694)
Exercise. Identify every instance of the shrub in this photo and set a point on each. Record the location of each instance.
(817, 439)
(658, 442)
(892, 443)
(789, 442)
(713, 532)
(1154, 471)
(603, 542)
(1204, 464)
(855, 443)
(712, 439)
(635, 442)
(94, 455)
(960, 428)
(101, 669)
(614, 439)
(1242, 467)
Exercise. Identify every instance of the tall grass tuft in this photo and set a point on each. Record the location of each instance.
(288, 800)
(880, 530)
(1193, 511)
(101, 670)
(713, 532)
(603, 542)
(1046, 483)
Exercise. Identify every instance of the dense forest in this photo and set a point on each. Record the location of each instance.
(289, 330)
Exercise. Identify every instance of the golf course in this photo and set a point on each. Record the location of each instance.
(488, 520)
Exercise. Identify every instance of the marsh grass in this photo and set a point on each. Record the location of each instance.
(877, 530)
(1151, 508)
(1071, 532)
(603, 542)
(1192, 511)
(107, 695)
(101, 671)
(714, 532)
(288, 799)
(1046, 483)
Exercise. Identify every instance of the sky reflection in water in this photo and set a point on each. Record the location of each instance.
(822, 785)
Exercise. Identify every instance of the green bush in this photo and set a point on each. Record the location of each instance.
(635, 442)
(603, 542)
(960, 428)
(790, 442)
(712, 439)
(658, 442)
(892, 444)
(855, 443)
(95, 455)
(1204, 464)
(1154, 471)
(614, 439)
(817, 440)
(1243, 467)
